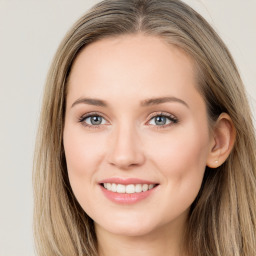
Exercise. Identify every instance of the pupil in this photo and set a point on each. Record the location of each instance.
(96, 120)
(160, 120)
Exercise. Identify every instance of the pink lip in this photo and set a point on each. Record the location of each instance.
(126, 198)
(126, 181)
(123, 198)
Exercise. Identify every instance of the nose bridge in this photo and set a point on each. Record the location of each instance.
(125, 146)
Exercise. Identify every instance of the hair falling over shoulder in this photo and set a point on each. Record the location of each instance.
(222, 219)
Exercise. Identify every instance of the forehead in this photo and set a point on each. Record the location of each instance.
(130, 64)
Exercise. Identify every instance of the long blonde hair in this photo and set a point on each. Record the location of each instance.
(222, 219)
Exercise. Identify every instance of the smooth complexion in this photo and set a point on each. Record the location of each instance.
(134, 112)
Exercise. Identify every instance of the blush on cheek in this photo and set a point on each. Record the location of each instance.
(82, 152)
(183, 162)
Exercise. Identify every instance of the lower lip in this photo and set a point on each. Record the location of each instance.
(124, 198)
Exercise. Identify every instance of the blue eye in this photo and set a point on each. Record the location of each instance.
(162, 120)
(93, 120)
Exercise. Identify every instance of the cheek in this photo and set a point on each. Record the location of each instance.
(186, 155)
(182, 151)
(83, 156)
(82, 151)
(181, 158)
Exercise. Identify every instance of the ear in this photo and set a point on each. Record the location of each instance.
(222, 141)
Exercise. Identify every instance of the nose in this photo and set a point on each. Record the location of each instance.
(125, 148)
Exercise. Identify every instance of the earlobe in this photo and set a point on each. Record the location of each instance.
(223, 139)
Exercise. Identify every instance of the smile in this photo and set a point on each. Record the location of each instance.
(129, 188)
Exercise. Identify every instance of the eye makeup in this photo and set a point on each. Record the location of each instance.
(158, 120)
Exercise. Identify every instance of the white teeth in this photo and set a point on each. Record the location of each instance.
(144, 187)
(138, 188)
(109, 186)
(120, 188)
(129, 189)
(113, 187)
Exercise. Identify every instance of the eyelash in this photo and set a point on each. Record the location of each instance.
(91, 114)
(173, 120)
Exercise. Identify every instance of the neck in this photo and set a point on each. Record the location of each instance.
(165, 241)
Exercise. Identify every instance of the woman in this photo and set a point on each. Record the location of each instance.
(146, 144)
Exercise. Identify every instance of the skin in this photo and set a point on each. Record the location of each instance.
(124, 72)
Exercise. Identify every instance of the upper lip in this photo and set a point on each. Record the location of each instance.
(126, 181)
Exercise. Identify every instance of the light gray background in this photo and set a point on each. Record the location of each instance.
(30, 32)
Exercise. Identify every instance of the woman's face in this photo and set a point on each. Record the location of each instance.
(136, 124)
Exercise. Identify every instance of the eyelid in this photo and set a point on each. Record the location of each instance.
(172, 117)
(90, 114)
(161, 113)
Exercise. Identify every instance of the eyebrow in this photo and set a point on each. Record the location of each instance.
(89, 101)
(156, 101)
(144, 103)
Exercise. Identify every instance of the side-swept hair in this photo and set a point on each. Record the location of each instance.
(222, 219)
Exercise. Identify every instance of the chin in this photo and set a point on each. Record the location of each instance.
(125, 227)
(129, 231)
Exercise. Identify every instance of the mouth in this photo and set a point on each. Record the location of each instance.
(127, 191)
(128, 188)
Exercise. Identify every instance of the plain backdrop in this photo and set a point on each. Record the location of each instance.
(30, 32)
